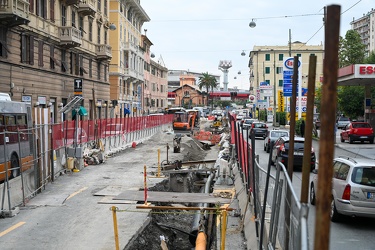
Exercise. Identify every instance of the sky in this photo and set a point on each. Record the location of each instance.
(196, 35)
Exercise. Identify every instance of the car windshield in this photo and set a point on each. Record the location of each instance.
(278, 134)
(344, 119)
(297, 145)
(249, 121)
(364, 176)
(259, 125)
(361, 125)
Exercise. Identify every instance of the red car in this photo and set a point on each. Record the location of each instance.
(357, 131)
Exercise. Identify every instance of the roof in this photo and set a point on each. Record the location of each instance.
(356, 75)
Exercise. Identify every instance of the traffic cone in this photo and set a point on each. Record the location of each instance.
(134, 144)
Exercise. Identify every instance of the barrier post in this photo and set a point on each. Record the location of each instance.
(114, 209)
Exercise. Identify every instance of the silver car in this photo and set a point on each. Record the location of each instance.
(353, 188)
(272, 136)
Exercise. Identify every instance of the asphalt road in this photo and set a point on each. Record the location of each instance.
(353, 233)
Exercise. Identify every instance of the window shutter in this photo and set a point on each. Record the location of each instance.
(23, 48)
(37, 7)
(45, 9)
(31, 6)
(31, 50)
(52, 11)
(40, 54)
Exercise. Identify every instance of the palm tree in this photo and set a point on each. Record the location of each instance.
(208, 81)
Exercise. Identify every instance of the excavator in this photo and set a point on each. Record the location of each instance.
(184, 122)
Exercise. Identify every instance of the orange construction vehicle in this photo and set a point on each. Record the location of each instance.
(184, 121)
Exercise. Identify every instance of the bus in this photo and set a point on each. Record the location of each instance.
(16, 139)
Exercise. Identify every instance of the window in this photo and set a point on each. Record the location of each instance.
(299, 55)
(105, 73)
(63, 15)
(105, 37)
(105, 8)
(81, 24)
(281, 57)
(280, 83)
(81, 68)
(98, 70)
(3, 42)
(99, 28)
(268, 82)
(268, 57)
(40, 53)
(90, 28)
(31, 6)
(267, 70)
(312, 54)
(41, 8)
(52, 10)
(90, 68)
(64, 64)
(279, 70)
(99, 5)
(52, 62)
(27, 49)
(73, 19)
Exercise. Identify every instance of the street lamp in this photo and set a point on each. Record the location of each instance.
(274, 87)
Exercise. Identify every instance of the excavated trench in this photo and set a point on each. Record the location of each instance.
(176, 227)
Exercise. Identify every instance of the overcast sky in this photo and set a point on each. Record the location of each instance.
(196, 34)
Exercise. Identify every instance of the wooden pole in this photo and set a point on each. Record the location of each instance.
(327, 116)
(308, 130)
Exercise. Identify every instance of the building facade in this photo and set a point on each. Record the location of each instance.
(266, 66)
(47, 45)
(365, 26)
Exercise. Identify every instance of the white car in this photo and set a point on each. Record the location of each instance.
(353, 188)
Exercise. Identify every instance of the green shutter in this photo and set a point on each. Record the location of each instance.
(268, 70)
(280, 83)
(281, 57)
(268, 57)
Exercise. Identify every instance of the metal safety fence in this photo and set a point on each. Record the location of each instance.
(32, 158)
(281, 220)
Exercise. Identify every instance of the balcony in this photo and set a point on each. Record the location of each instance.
(14, 12)
(70, 36)
(104, 52)
(71, 2)
(87, 8)
(130, 46)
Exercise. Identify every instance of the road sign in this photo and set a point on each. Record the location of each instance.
(78, 86)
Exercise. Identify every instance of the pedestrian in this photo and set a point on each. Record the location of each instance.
(302, 128)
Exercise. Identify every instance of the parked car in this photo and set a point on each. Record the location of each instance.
(353, 188)
(272, 136)
(280, 150)
(260, 129)
(239, 116)
(357, 131)
(246, 123)
(342, 121)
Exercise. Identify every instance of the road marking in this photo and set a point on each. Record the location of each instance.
(75, 193)
(12, 228)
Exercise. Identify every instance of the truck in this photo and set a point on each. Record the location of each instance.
(184, 121)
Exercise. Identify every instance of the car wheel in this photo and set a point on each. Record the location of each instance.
(350, 140)
(335, 216)
(341, 139)
(312, 194)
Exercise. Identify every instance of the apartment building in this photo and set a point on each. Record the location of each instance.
(365, 26)
(266, 66)
(47, 45)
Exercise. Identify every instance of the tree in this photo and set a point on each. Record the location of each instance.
(351, 49)
(350, 98)
(208, 81)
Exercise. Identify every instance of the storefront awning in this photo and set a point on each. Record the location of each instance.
(82, 111)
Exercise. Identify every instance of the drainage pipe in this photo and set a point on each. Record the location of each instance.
(198, 215)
